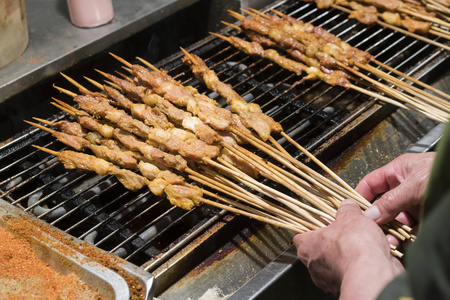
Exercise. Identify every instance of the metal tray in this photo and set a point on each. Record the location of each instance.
(105, 282)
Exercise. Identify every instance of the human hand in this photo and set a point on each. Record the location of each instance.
(403, 182)
(350, 257)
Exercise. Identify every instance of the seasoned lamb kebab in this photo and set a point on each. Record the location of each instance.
(134, 144)
(315, 41)
(396, 13)
(116, 154)
(174, 139)
(253, 48)
(73, 128)
(199, 105)
(118, 157)
(250, 113)
(185, 195)
(176, 115)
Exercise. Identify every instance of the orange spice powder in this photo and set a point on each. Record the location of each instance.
(24, 276)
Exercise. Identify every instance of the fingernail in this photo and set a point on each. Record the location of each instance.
(392, 240)
(347, 201)
(373, 213)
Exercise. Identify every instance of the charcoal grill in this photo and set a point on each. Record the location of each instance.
(184, 248)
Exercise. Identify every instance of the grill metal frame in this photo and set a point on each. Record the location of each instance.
(127, 212)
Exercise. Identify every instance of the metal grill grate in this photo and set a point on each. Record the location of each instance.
(148, 231)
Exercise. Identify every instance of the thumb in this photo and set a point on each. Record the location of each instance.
(347, 208)
(397, 200)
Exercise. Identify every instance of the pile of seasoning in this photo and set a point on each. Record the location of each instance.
(24, 276)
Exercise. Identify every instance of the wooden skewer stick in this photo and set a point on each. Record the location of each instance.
(188, 55)
(69, 109)
(277, 145)
(250, 215)
(292, 203)
(443, 8)
(113, 85)
(253, 15)
(293, 226)
(49, 130)
(424, 17)
(379, 96)
(129, 65)
(443, 31)
(124, 76)
(321, 165)
(49, 123)
(236, 15)
(81, 88)
(257, 12)
(67, 92)
(430, 111)
(55, 153)
(232, 25)
(276, 176)
(253, 210)
(95, 83)
(148, 64)
(431, 88)
(439, 33)
(109, 82)
(441, 103)
(70, 112)
(243, 195)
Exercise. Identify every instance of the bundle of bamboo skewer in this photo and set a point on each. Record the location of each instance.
(322, 55)
(129, 147)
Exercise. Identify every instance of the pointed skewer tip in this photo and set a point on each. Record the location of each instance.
(189, 56)
(221, 36)
(236, 15)
(40, 126)
(253, 15)
(43, 121)
(232, 25)
(55, 153)
(148, 64)
(121, 60)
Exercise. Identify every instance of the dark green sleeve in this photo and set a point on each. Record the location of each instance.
(427, 273)
(427, 264)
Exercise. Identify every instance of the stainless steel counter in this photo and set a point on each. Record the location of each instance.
(56, 44)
